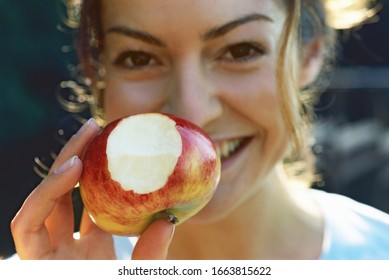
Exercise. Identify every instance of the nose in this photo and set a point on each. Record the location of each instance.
(193, 93)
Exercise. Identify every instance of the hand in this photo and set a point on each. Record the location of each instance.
(43, 227)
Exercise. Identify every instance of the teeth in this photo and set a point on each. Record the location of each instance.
(226, 148)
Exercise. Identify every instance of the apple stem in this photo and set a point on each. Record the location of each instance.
(172, 218)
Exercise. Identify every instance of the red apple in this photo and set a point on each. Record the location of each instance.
(148, 166)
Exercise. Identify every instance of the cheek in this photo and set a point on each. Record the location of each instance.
(122, 98)
(256, 97)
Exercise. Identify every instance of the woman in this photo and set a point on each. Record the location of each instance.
(236, 69)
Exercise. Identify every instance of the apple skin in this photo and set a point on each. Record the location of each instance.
(188, 189)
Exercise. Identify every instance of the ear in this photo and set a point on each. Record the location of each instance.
(312, 62)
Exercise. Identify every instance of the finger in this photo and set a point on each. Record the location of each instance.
(77, 143)
(90, 233)
(154, 243)
(60, 223)
(31, 236)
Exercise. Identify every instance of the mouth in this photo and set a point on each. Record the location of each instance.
(228, 149)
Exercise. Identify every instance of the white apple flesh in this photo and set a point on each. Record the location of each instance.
(145, 167)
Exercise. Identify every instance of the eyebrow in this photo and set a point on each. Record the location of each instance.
(209, 35)
(137, 34)
(225, 28)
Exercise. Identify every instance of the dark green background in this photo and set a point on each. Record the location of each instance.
(32, 64)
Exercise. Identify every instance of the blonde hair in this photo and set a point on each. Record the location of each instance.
(323, 19)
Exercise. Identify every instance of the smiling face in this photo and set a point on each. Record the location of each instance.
(211, 62)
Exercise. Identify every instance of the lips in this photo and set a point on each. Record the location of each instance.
(228, 148)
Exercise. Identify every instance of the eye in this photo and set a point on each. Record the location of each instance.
(135, 59)
(242, 52)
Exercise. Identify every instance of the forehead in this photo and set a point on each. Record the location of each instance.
(193, 14)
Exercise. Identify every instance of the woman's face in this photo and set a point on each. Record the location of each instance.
(211, 62)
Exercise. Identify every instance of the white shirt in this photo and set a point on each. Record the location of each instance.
(353, 231)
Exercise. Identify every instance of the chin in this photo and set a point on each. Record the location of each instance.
(216, 209)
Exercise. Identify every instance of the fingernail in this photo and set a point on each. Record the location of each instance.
(65, 166)
(85, 126)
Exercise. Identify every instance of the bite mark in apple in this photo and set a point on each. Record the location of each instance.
(143, 152)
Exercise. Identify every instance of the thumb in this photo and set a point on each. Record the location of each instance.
(154, 242)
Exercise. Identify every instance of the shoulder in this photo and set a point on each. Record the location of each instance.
(352, 230)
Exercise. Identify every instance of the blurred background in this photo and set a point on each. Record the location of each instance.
(36, 55)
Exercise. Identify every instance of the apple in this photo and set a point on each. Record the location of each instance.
(147, 166)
